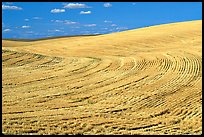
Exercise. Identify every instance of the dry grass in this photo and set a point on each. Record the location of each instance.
(143, 81)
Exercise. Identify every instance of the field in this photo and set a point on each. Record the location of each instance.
(142, 81)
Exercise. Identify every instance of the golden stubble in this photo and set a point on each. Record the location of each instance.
(142, 81)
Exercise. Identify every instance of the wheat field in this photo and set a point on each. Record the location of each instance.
(142, 81)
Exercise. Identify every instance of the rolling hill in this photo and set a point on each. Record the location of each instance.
(141, 81)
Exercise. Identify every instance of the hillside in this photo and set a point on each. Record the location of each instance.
(141, 81)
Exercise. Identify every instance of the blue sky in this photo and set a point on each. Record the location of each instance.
(47, 19)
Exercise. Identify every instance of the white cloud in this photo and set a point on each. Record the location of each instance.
(56, 30)
(6, 7)
(29, 32)
(57, 10)
(113, 25)
(25, 27)
(75, 27)
(121, 28)
(107, 21)
(26, 19)
(37, 18)
(96, 33)
(105, 28)
(7, 30)
(107, 5)
(70, 22)
(85, 12)
(57, 21)
(75, 5)
(90, 25)
(85, 32)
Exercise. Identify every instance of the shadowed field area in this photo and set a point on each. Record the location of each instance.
(142, 81)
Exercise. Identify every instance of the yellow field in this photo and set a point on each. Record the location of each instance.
(142, 81)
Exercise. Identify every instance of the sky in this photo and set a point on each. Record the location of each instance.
(31, 20)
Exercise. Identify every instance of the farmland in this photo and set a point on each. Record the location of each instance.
(141, 81)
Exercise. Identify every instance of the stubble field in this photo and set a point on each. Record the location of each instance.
(142, 81)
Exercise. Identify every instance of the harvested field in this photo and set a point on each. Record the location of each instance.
(142, 81)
